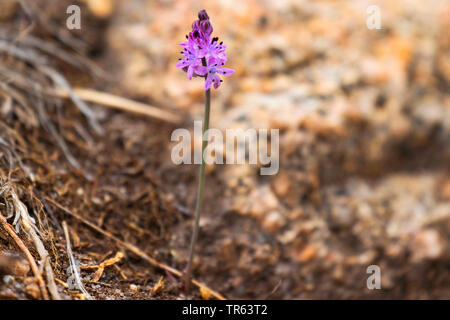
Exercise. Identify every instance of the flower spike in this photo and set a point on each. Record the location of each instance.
(204, 56)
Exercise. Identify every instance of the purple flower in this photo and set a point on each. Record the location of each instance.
(204, 56)
(191, 61)
(211, 73)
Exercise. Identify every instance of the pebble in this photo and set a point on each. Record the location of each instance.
(427, 244)
(32, 289)
(273, 221)
(13, 263)
(282, 184)
(308, 254)
(445, 190)
(133, 287)
(8, 279)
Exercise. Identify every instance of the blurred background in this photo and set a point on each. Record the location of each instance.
(364, 120)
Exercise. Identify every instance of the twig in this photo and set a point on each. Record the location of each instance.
(120, 103)
(273, 290)
(101, 267)
(135, 250)
(27, 253)
(75, 273)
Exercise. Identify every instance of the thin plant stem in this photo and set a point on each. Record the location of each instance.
(201, 185)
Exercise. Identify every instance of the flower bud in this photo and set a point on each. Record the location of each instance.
(196, 37)
(202, 15)
(206, 27)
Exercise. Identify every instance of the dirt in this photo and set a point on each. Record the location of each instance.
(364, 173)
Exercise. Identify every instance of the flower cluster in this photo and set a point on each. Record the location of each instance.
(204, 56)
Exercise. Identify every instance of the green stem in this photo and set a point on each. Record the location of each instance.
(201, 185)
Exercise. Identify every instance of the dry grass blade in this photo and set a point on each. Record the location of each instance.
(40, 63)
(136, 250)
(30, 229)
(120, 103)
(32, 11)
(74, 59)
(45, 121)
(9, 148)
(75, 273)
(59, 80)
(27, 55)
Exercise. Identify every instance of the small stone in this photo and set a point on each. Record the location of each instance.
(32, 290)
(8, 9)
(427, 244)
(13, 263)
(308, 253)
(101, 8)
(8, 279)
(339, 273)
(96, 200)
(367, 257)
(269, 199)
(400, 127)
(297, 213)
(282, 185)
(8, 294)
(445, 190)
(341, 216)
(393, 250)
(273, 221)
(263, 200)
(288, 236)
(310, 287)
(387, 279)
(133, 287)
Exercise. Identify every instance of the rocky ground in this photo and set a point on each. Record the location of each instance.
(364, 120)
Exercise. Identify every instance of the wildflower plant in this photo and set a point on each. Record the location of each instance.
(204, 56)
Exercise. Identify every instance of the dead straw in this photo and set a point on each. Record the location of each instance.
(73, 265)
(120, 103)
